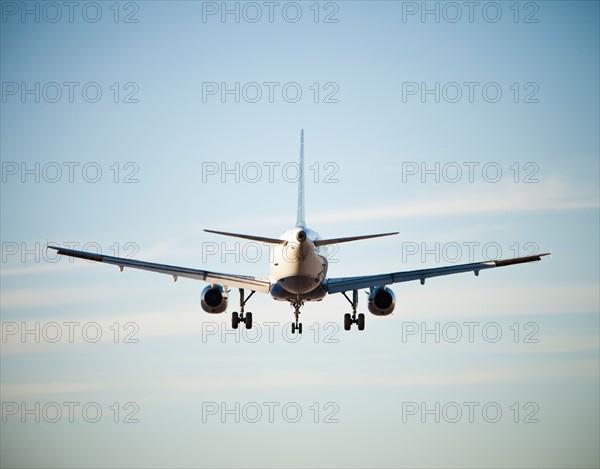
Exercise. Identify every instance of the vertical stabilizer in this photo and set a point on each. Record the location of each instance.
(300, 208)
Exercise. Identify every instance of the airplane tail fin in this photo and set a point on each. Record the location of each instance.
(300, 207)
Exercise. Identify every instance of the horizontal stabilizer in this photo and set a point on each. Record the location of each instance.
(251, 237)
(324, 242)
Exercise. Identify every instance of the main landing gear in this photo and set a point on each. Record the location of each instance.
(349, 320)
(237, 318)
(297, 326)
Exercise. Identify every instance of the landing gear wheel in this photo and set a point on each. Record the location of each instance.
(293, 328)
(361, 322)
(248, 320)
(235, 320)
(347, 321)
(300, 328)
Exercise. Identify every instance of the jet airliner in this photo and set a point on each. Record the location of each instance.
(298, 272)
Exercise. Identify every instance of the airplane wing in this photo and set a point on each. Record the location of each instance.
(238, 281)
(337, 285)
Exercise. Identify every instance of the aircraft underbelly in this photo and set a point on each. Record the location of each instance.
(298, 283)
(279, 293)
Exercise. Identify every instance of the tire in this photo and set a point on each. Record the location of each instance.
(235, 320)
(300, 328)
(293, 328)
(248, 320)
(347, 321)
(361, 322)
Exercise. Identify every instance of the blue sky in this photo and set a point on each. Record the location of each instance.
(545, 198)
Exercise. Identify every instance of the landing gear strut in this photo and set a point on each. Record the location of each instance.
(297, 326)
(237, 318)
(348, 319)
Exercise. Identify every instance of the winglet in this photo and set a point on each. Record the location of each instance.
(300, 207)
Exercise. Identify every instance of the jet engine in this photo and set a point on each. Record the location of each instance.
(214, 299)
(381, 301)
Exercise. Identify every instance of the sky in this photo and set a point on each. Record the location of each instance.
(129, 127)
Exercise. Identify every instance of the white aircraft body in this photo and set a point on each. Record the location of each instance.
(298, 272)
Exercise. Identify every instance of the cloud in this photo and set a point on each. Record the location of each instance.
(20, 390)
(552, 194)
(477, 199)
(297, 379)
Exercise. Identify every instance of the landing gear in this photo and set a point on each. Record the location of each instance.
(352, 319)
(237, 318)
(347, 322)
(297, 326)
(361, 322)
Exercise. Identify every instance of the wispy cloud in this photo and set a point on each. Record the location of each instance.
(442, 200)
(284, 379)
(475, 200)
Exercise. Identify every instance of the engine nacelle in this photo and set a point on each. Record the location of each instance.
(381, 301)
(214, 299)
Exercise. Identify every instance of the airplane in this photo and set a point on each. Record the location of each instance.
(298, 272)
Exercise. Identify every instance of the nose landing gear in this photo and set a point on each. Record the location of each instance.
(297, 326)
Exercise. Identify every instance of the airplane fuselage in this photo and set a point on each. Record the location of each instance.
(298, 268)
